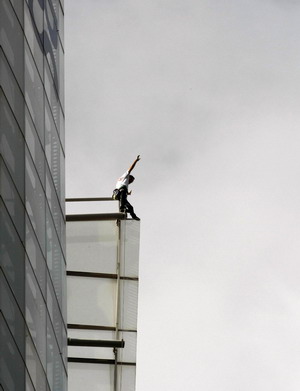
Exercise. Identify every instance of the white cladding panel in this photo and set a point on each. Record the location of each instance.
(130, 239)
(92, 301)
(92, 246)
(91, 377)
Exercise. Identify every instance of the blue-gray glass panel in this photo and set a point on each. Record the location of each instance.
(56, 211)
(11, 90)
(35, 201)
(18, 7)
(37, 11)
(54, 154)
(12, 313)
(35, 147)
(51, 93)
(35, 256)
(12, 200)
(34, 366)
(12, 40)
(34, 40)
(61, 27)
(61, 75)
(55, 261)
(34, 92)
(65, 346)
(62, 193)
(12, 256)
(51, 41)
(12, 367)
(12, 145)
(29, 385)
(54, 312)
(35, 313)
(55, 367)
(62, 128)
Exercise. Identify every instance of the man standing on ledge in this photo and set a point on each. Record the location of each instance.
(121, 191)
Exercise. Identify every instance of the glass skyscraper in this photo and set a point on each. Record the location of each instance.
(33, 333)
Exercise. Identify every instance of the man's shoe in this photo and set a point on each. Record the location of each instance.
(135, 217)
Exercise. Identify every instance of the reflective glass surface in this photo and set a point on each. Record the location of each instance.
(12, 90)
(11, 38)
(34, 92)
(12, 370)
(35, 313)
(12, 199)
(35, 200)
(12, 256)
(32, 228)
(12, 145)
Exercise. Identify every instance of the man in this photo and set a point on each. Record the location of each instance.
(121, 191)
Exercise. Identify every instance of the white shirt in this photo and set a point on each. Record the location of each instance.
(123, 180)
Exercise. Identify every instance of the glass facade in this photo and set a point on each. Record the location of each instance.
(33, 332)
(102, 269)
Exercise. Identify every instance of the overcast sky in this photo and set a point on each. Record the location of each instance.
(207, 92)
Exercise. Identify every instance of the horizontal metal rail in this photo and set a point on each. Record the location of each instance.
(98, 361)
(96, 217)
(101, 343)
(89, 199)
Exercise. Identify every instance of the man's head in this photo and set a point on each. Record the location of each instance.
(131, 178)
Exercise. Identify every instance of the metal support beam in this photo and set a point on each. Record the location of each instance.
(96, 342)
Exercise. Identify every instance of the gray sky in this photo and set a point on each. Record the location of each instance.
(208, 93)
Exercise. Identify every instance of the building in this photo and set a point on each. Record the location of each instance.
(102, 275)
(33, 333)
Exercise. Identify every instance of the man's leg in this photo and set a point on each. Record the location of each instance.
(123, 200)
(130, 210)
(126, 206)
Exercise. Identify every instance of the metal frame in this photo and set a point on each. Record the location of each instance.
(117, 343)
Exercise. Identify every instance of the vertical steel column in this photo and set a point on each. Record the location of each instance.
(117, 315)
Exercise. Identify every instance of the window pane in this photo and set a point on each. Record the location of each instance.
(54, 153)
(55, 260)
(54, 205)
(55, 368)
(11, 363)
(35, 147)
(34, 366)
(128, 354)
(35, 313)
(11, 90)
(37, 12)
(34, 40)
(54, 312)
(130, 232)
(35, 256)
(92, 246)
(91, 301)
(34, 93)
(11, 38)
(12, 313)
(129, 297)
(126, 378)
(35, 201)
(12, 200)
(12, 255)
(12, 145)
(90, 377)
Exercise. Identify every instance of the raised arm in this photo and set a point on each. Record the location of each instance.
(133, 164)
